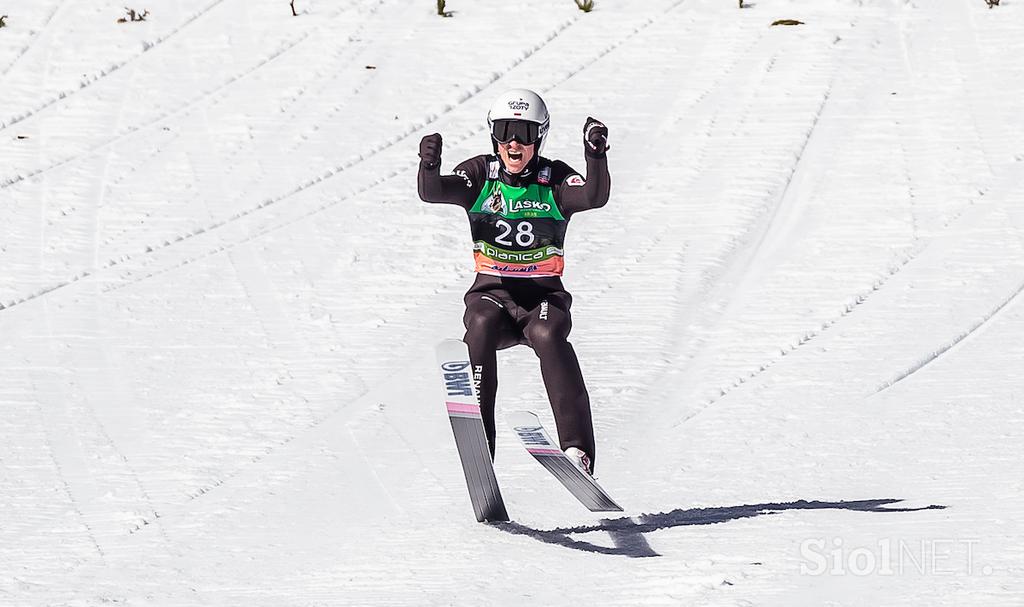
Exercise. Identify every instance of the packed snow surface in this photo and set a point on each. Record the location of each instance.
(799, 317)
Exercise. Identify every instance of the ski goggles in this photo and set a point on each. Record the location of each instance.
(526, 133)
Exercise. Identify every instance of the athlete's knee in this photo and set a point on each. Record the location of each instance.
(483, 321)
(550, 332)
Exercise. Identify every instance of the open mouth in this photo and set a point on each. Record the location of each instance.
(515, 156)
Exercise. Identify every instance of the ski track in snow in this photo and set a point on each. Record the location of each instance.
(35, 38)
(761, 227)
(952, 344)
(203, 98)
(856, 299)
(1008, 189)
(90, 80)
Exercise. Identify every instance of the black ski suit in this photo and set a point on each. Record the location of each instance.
(513, 299)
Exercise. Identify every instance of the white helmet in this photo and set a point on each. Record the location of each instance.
(521, 105)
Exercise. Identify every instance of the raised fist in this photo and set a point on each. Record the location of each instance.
(430, 151)
(595, 136)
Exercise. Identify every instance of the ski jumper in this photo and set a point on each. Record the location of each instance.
(518, 223)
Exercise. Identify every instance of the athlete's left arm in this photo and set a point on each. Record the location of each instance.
(573, 192)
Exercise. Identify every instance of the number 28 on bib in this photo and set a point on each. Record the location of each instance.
(517, 231)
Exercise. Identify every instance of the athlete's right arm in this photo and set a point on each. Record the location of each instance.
(461, 189)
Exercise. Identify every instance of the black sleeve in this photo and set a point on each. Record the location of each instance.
(574, 193)
(462, 188)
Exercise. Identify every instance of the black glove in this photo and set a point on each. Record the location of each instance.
(595, 137)
(430, 151)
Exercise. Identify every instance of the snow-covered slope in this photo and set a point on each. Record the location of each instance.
(799, 317)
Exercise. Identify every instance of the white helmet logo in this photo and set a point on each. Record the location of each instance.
(519, 106)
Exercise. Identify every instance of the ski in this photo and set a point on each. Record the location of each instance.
(583, 486)
(463, 404)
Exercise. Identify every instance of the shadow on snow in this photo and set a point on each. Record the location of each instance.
(627, 533)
